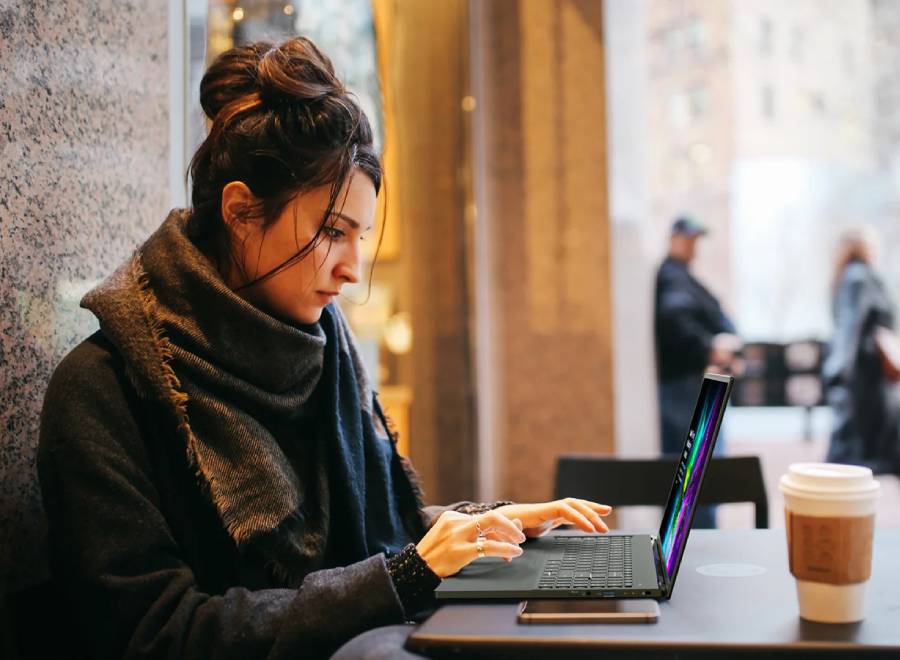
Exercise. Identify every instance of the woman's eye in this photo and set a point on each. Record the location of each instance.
(333, 233)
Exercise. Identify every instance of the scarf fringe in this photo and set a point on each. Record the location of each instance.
(178, 399)
(412, 476)
(286, 562)
(163, 346)
(415, 481)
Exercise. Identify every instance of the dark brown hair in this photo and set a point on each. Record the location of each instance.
(282, 123)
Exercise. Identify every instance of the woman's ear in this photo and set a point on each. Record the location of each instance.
(237, 205)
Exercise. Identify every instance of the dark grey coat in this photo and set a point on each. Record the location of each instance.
(145, 563)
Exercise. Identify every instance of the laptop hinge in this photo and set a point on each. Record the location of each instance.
(661, 576)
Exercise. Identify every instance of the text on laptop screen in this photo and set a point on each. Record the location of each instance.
(697, 449)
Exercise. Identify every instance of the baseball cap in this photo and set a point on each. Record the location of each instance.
(688, 226)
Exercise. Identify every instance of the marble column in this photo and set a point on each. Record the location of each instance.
(543, 212)
(84, 151)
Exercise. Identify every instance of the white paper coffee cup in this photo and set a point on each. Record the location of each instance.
(830, 520)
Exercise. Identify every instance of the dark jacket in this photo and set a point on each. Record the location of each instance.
(146, 564)
(686, 318)
(865, 405)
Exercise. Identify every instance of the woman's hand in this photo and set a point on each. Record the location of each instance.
(452, 542)
(538, 519)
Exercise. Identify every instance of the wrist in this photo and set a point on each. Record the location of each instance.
(474, 508)
(413, 579)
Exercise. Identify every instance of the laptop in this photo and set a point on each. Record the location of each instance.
(608, 565)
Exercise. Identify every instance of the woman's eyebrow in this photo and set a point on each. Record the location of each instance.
(353, 223)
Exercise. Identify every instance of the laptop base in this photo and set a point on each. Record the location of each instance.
(495, 579)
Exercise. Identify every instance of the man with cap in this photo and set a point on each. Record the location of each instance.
(692, 334)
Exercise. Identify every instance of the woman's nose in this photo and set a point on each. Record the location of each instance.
(349, 267)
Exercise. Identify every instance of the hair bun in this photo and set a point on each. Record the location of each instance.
(231, 76)
(296, 71)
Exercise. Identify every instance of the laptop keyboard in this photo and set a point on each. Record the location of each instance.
(589, 562)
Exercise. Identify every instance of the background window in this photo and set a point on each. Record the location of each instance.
(765, 36)
(767, 102)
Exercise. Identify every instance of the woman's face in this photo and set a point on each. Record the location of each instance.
(299, 292)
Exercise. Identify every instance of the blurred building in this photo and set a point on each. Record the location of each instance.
(760, 118)
(691, 108)
(773, 123)
(886, 121)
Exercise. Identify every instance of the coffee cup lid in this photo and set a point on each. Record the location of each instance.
(829, 480)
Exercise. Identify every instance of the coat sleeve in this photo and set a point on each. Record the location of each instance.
(433, 512)
(849, 314)
(120, 566)
(679, 329)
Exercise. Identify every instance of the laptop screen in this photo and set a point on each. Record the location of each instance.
(698, 446)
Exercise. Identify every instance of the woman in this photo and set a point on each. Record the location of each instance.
(865, 405)
(216, 471)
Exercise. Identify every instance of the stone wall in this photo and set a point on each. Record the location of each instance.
(84, 153)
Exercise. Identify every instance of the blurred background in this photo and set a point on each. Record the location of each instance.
(536, 156)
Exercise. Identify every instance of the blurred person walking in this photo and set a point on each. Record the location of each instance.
(692, 334)
(864, 400)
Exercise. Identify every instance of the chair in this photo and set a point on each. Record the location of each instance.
(647, 481)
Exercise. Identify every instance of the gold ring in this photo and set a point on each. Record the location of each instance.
(478, 530)
(479, 545)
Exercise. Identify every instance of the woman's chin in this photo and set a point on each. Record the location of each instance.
(308, 316)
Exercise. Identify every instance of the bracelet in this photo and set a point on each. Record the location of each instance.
(473, 508)
(413, 579)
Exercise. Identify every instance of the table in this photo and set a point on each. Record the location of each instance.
(742, 603)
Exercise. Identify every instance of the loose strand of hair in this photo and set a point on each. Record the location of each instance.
(383, 223)
(290, 261)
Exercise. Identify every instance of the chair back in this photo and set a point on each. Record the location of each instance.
(647, 481)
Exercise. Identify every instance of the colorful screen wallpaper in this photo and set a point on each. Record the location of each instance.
(698, 446)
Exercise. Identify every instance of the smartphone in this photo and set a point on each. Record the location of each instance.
(595, 610)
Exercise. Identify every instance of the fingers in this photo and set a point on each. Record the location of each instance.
(506, 551)
(498, 526)
(582, 506)
(498, 536)
(544, 527)
(601, 509)
(574, 516)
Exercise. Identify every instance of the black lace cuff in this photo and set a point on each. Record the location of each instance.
(474, 508)
(413, 580)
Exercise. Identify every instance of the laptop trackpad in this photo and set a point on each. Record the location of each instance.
(492, 576)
